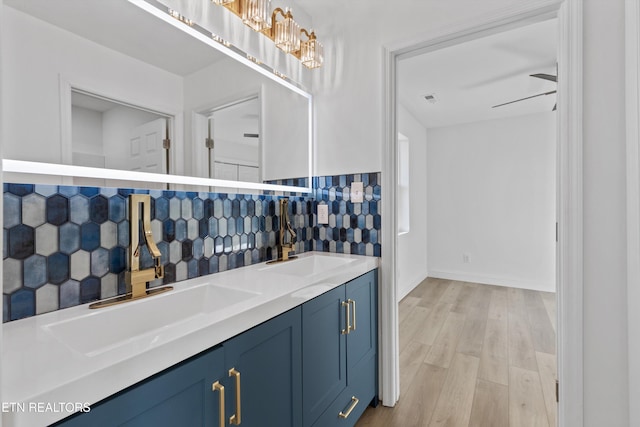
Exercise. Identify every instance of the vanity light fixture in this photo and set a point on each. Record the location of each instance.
(286, 33)
(255, 14)
(312, 51)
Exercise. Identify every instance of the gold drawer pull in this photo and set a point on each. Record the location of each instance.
(236, 418)
(219, 387)
(354, 402)
(353, 313)
(346, 306)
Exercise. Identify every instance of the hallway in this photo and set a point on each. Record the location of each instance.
(474, 355)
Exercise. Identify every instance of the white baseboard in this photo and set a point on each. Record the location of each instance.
(405, 288)
(511, 282)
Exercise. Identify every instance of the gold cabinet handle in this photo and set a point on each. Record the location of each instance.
(347, 328)
(236, 418)
(353, 314)
(354, 402)
(220, 388)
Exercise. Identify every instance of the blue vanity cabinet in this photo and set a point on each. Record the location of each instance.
(299, 369)
(339, 368)
(179, 396)
(265, 386)
(324, 349)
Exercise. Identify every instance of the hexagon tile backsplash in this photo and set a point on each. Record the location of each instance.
(67, 245)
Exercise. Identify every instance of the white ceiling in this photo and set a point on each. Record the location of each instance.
(469, 78)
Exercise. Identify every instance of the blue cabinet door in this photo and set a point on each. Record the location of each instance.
(268, 361)
(363, 340)
(180, 396)
(324, 352)
(339, 365)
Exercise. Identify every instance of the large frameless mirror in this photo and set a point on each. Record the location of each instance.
(109, 94)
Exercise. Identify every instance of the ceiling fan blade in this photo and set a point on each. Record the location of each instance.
(522, 99)
(555, 106)
(545, 77)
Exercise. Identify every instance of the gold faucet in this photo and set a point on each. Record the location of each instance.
(135, 278)
(284, 249)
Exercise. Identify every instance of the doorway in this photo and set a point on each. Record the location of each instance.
(490, 180)
(112, 134)
(569, 204)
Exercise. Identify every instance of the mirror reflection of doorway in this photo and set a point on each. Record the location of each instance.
(113, 135)
(233, 141)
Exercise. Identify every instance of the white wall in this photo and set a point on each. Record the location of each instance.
(491, 196)
(412, 246)
(86, 131)
(37, 55)
(348, 89)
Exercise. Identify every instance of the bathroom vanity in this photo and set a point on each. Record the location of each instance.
(287, 344)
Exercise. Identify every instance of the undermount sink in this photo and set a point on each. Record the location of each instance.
(305, 267)
(144, 322)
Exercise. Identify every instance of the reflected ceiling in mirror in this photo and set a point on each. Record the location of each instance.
(55, 53)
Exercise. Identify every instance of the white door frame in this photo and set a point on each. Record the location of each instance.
(632, 73)
(570, 327)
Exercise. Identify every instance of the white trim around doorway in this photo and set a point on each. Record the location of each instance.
(632, 73)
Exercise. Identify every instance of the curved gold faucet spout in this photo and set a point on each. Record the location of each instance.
(285, 249)
(135, 278)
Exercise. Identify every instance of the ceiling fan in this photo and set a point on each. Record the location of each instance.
(543, 76)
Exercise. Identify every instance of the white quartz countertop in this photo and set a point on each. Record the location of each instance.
(77, 355)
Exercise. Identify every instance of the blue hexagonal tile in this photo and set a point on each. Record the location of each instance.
(57, 209)
(33, 210)
(99, 262)
(187, 250)
(192, 269)
(168, 230)
(226, 208)
(21, 242)
(22, 303)
(181, 229)
(117, 260)
(35, 271)
(69, 294)
(89, 236)
(12, 210)
(174, 208)
(98, 209)
(89, 289)
(68, 190)
(118, 209)
(161, 208)
(123, 233)
(46, 190)
(89, 191)
(20, 189)
(58, 268)
(169, 273)
(79, 209)
(198, 248)
(198, 208)
(186, 210)
(69, 238)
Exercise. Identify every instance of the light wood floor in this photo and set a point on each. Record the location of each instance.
(474, 355)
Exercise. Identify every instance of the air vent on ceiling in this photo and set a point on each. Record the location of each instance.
(431, 98)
